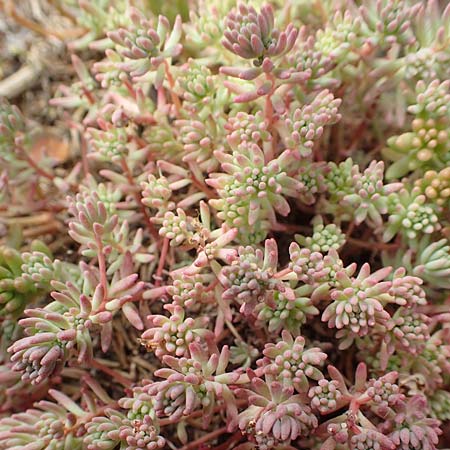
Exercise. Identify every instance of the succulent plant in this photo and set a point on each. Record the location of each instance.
(290, 363)
(251, 35)
(144, 47)
(228, 229)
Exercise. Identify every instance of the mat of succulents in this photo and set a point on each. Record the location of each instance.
(224, 225)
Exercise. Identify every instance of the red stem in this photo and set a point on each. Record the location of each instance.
(200, 412)
(102, 269)
(269, 107)
(202, 187)
(130, 89)
(226, 445)
(372, 245)
(207, 437)
(111, 372)
(268, 110)
(138, 199)
(38, 169)
(162, 260)
(282, 272)
(173, 96)
(89, 95)
(84, 160)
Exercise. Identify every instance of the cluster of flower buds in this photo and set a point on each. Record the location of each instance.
(436, 186)
(324, 237)
(426, 145)
(410, 215)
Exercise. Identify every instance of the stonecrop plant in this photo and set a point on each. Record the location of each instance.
(235, 235)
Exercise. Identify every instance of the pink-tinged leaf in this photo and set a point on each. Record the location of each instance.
(223, 360)
(97, 389)
(155, 293)
(181, 432)
(37, 445)
(270, 254)
(102, 317)
(361, 377)
(85, 305)
(106, 336)
(120, 287)
(67, 335)
(36, 339)
(337, 376)
(247, 97)
(404, 436)
(384, 356)
(52, 356)
(190, 400)
(267, 65)
(268, 423)
(132, 314)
